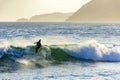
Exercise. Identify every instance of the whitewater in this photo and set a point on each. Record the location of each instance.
(70, 51)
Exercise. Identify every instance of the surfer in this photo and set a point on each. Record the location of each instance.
(38, 45)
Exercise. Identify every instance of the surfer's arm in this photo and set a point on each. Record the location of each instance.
(35, 42)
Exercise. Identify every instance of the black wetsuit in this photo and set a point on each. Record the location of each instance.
(38, 45)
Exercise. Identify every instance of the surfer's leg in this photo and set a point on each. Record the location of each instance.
(36, 50)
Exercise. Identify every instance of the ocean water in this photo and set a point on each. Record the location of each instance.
(70, 51)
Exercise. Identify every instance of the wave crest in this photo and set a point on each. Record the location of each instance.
(92, 50)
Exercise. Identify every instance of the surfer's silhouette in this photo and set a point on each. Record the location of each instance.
(38, 45)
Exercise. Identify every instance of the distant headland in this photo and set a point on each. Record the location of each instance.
(93, 11)
(50, 17)
(98, 11)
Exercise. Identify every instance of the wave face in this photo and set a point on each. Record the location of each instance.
(88, 50)
(17, 56)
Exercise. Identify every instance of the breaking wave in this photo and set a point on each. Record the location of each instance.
(55, 54)
(92, 50)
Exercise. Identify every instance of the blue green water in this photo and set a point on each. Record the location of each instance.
(70, 51)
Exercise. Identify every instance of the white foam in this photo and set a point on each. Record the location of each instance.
(94, 51)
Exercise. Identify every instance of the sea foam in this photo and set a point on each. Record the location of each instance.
(92, 50)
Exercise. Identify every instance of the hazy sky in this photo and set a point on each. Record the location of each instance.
(10, 10)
